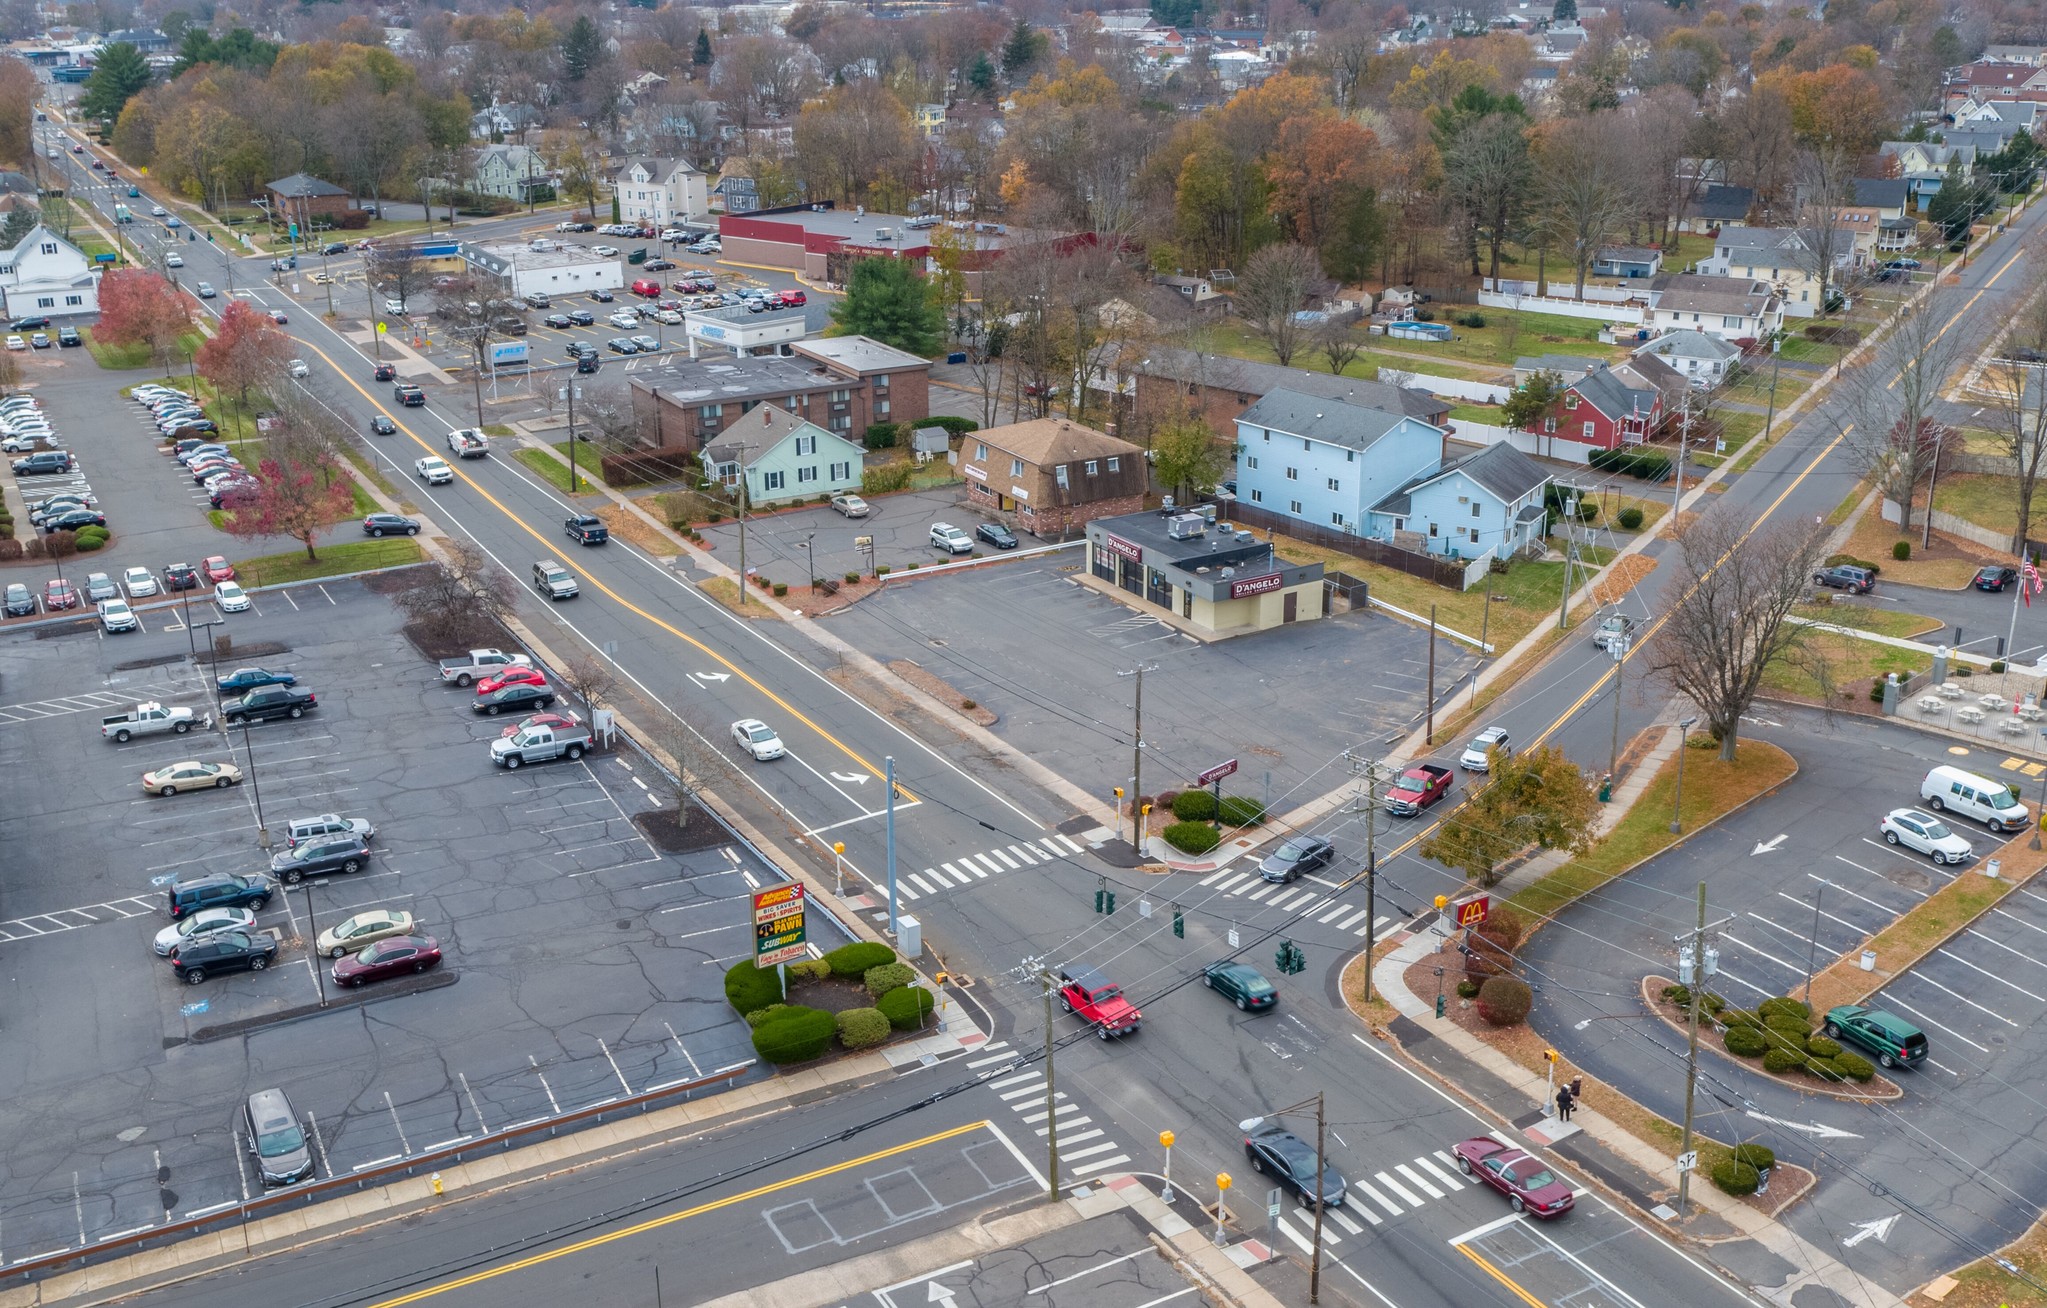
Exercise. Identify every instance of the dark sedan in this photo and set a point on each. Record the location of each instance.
(1299, 855)
(395, 956)
(517, 698)
(1527, 1181)
(382, 426)
(621, 345)
(180, 576)
(229, 951)
(1001, 537)
(603, 297)
(555, 320)
(74, 519)
(319, 858)
(1242, 983)
(1995, 577)
(1290, 1160)
(242, 679)
(268, 703)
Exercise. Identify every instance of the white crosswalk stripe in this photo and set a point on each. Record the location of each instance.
(1334, 913)
(1451, 1179)
(1007, 861)
(1395, 1187)
(922, 884)
(1030, 859)
(1376, 1197)
(1099, 1165)
(1416, 1177)
(966, 869)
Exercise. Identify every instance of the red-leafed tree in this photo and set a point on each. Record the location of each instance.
(247, 351)
(294, 500)
(138, 307)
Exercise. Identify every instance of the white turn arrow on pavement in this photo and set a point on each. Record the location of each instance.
(1766, 846)
(1863, 1230)
(712, 676)
(1819, 1129)
(939, 1294)
(855, 778)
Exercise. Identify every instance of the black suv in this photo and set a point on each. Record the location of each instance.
(226, 951)
(267, 702)
(43, 463)
(412, 397)
(219, 890)
(320, 857)
(1844, 577)
(68, 337)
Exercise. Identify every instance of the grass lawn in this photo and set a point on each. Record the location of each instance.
(1712, 789)
(1798, 349)
(495, 429)
(366, 468)
(1485, 413)
(1851, 663)
(1372, 363)
(1948, 565)
(121, 358)
(1975, 497)
(1234, 337)
(1508, 334)
(554, 470)
(1862, 617)
(334, 560)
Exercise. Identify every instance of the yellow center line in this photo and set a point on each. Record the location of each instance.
(1502, 1278)
(615, 597)
(657, 1223)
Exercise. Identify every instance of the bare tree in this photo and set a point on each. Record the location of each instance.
(1272, 291)
(1339, 344)
(2017, 376)
(592, 678)
(1885, 409)
(397, 272)
(1739, 584)
(1823, 182)
(689, 756)
(1589, 186)
(460, 602)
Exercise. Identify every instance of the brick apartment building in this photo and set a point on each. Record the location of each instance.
(1054, 475)
(1218, 388)
(844, 384)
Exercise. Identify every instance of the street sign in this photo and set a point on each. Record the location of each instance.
(1233, 938)
(1687, 1161)
(1471, 910)
(778, 924)
(1272, 1198)
(1216, 773)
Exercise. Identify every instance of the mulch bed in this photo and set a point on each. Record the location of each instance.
(670, 836)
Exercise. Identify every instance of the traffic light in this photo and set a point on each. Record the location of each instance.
(1111, 908)
(1289, 960)
(1179, 922)
(1549, 1055)
(1442, 1006)
(1105, 898)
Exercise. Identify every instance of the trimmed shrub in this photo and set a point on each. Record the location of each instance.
(1901, 550)
(953, 426)
(854, 959)
(1239, 811)
(761, 1016)
(1194, 806)
(810, 969)
(1745, 1042)
(1849, 560)
(1997, 665)
(749, 989)
(1712, 1002)
(863, 1028)
(1783, 1007)
(1505, 1001)
(1629, 518)
(781, 589)
(1958, 670)
(1191, 837)
(889, 976)
(1740, 1017)
(906, 1007)
(1467, 989)
(1854, 1066)
(1826, 1069)
(1781, 1061)
(796, 1035)
(87, 544)
(1643, 467)
(1821, 1047)
(852, 579)
(10, 550)
(1679, 995)
(1736, 1178)
(1165, 799)
(882, 435)
(1790, 1027)
(1755, 1155)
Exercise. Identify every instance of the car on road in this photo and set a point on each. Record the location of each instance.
(951, 539)
(115, 615)
(321, 857)
(1087, 991)
(268, 703)
(758, 739)
(1296, 856)
(394, 306)
(1891, 1038)
(554, 581)
(363, 930)
(225, 951)
(230, 596)
(1001, 537)
(1996, 576)
(178, 261)
(21, 602)
(247, 679)
(99, 586)
(180, 576)
(206, 291)
(1241, 983)
(1844, 576)
(297, 368)
(587, 529)
(516, 697)
(1926, 834)
(190, 775)
(434, 470)
(1477, 756)
(334, 247)
(217, 890)
(140, 582)
(390, 524)
(278, 316)
(1291, 1161)
(1614, 627)
(217, 568)
(382, 426)
(850, 505)
(384, 372)
(59, 594)
(1527, 1181)
(408, 395)
(395, 956)
(205, 922)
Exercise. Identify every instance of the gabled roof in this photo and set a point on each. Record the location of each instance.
(1612, 396)
(748, 440)
(1702, 294)
(1314, 418)
(303, 186)
(35, 237)
(1500, 470)
(1651, 372)
(1689, 344)
(1723, 204)
(1563, 365)
(1226, 372)
(1045, 442)
(1878, 192)
(658, 169)
(1630, 253)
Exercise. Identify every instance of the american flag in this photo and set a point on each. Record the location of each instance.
(2030, 583)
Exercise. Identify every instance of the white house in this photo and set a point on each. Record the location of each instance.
(46, 276)
(1703, 360)
(1732, 308)
(661, 191)
(1490, 502)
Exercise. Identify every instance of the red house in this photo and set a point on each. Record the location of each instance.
(1600, 409)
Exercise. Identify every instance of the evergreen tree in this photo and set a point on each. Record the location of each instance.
(21, 220)
(120, 73)
(582, 48)
(1023, 48)
(702, 57)
(981, 75)
(1957, 204)
(887, 300)
(1565, 11)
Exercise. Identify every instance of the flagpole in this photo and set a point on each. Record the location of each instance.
(2029, 581)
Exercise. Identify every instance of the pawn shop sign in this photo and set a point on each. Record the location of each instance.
(778, 924)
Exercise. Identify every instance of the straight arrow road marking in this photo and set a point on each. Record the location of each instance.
(1819, 1129)
(1767, 846)
(1879, 1228)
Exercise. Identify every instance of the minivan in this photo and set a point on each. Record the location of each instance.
(276, 1138)
(1893, 1040)
(1952, 790)
(652, 290)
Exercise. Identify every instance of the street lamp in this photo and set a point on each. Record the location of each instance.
(248, 751)
(1321, 1170)
(1617, 646)
(1684, 727)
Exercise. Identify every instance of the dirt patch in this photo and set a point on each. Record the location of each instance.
(935, 686)
(633, 529)
(1623, 576)
(726, 591)
(833, 994)
(666, 834)
(264, 649)
(438, 645)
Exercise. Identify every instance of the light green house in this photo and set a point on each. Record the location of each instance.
(784, 458)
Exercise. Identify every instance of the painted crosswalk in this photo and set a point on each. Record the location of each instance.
(1085, 1149)
(966, 869)
(1372, 1199)
(1317, 904)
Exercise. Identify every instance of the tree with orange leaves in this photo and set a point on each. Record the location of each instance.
(1838, 104)
(247, 351)
(138, 307)
(1322, 179)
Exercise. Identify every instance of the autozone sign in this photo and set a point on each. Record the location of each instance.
(778, 924)
(1471, 910)
(1257, 585)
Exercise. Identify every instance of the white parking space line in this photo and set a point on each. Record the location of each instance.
(1927, 980)
(2009, 916)
(1949, 953)
(1761, 953)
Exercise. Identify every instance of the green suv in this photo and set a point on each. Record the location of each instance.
(1893, 1040)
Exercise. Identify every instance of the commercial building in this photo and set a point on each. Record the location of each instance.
(544, 267)
(1216, 581)
(738, 331)
(1054, 475)
(843, 384)
(821, 243)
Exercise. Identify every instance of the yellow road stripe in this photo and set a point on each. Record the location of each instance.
(1502, 1278)
(657, 1223)
(613, 595)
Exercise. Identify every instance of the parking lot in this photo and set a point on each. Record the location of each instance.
(581, 963)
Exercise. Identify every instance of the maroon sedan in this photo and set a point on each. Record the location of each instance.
(58, 594)
(1527, 1181)
(388, 958)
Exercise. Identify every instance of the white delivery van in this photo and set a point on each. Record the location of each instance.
(1951, 790)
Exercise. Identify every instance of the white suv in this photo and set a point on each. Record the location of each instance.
(434, 471)
(951, 539)
(1927, 834)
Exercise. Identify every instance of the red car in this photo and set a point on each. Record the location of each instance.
(555, 721)
(1527, 1181)
(515, 675)
(389, 957)
(652, 290)
(58, 594)
(217, 568)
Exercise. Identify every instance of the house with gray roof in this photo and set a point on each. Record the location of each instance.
(1719, 206)
(1602, 410)
(1703, 359)
(782, 458)
(1627, 261)
(1325, 462)
(1490, 502)
(1171, 383)
(1732, 308)
(1785, 257)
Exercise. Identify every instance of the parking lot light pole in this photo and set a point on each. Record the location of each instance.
(262, 831)
(313, 934)
(1684, 728)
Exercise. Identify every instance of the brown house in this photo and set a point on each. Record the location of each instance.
(298, 197)
(1218, 388)
(844, 384)
(1054, 475)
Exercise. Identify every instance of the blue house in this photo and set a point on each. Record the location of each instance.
(783, 458)
(1490, 502)
(1325, 462)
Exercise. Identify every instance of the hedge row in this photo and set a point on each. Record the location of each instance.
(792, 1033)
(1642, 466)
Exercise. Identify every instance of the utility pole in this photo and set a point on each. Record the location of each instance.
(1137, 757)
(1695, 964)
(569, 393)
(1321, 1170)
(889, 767)
(1051, 1096)
(1618, 647)
(1371, 887)
(1776, 362)
(744, 450)
(1932, 483)
(1429, 709)
(1684, 435)
(1570, 560)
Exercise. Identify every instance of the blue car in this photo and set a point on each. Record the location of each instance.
(250, 678)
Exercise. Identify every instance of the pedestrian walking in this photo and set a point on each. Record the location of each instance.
(1564, 1102)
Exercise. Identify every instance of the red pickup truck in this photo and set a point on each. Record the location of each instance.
(1087, 992)
(1417, 788)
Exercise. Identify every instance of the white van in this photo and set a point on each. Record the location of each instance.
(1952, 790)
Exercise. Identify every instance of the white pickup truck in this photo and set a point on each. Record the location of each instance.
(468, 443)
(433, 470)
(537, 744)
(147, 720)
(478, 664)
